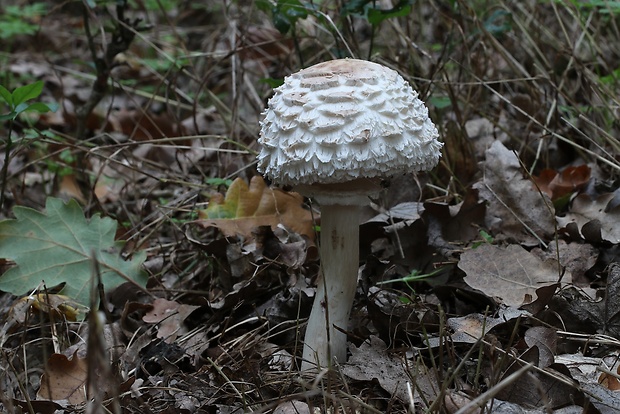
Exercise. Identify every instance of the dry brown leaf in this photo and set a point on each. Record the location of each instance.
(551, 388)
(546, 339)
(558, 184)
(511, 274)
(594, 220)
(468, 329)
(292, 407)
(610, 381)
(576, 258)
(244, 208)
(169, 316)
(372, 361)
(69, 188)
(65, 379)
(514, 205)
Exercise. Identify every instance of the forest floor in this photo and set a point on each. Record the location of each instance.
(129, 185)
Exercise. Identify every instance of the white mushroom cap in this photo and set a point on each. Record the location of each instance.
(342, 120)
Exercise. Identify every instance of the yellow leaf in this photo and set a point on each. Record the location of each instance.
(245, 208)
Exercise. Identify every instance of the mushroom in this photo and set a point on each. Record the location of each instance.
(333, 131)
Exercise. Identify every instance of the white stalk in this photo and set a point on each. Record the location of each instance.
(339, 250)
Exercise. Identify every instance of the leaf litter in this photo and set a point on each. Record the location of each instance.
(489, 286)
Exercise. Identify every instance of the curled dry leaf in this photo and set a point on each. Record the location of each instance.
(170, 316)
(244, 208)
(594, 220)
(546, 339)
(49, 303)
(610, 381)
(511, 274)
(559, 184)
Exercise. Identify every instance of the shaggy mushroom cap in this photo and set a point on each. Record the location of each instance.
(345, 120)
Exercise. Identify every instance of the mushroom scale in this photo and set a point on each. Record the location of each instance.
(338, 120)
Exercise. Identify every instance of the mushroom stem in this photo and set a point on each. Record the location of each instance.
(325, 340)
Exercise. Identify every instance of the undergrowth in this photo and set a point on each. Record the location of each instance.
(160, 109)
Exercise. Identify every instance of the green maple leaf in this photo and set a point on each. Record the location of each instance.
(57, 247)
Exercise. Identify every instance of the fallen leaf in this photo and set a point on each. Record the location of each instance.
(371, 361)
(58, 246)
(546, 339)
(65, 379)
(244, 208)
(408, 211)
(603, 399)
(461, 222)
(54, 304)
(559, 184)
(511, 274)
(576, 258)
(593, 220)
(468, 329)
(550, 388)
(292, 407)
(514, 205)
(609, 381)
(169, 316)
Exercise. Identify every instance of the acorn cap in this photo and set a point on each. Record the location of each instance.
(344, 122)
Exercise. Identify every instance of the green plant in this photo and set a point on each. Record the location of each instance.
(375, 15)
(14, 20)
(602, 6)
(17, 102)
(286, 13)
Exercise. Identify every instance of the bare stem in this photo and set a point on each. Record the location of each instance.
(325, 340)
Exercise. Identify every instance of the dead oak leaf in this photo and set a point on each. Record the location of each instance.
(169, 316)
(372, 361)
(470, 328)
(244, 208)
(513, 204)
(511, 273)
(65, 379)
(557, 184)
(594, 220)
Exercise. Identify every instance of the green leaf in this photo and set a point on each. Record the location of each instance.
(27, 92)
(57, 247)
(499, 22)
(263, 5)
(41, 107)
(287, 12)
(20, 108)
(6, 95)
(6, 117)
(376, 16)
(355, 7)
(272, 82)
(440, 102)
